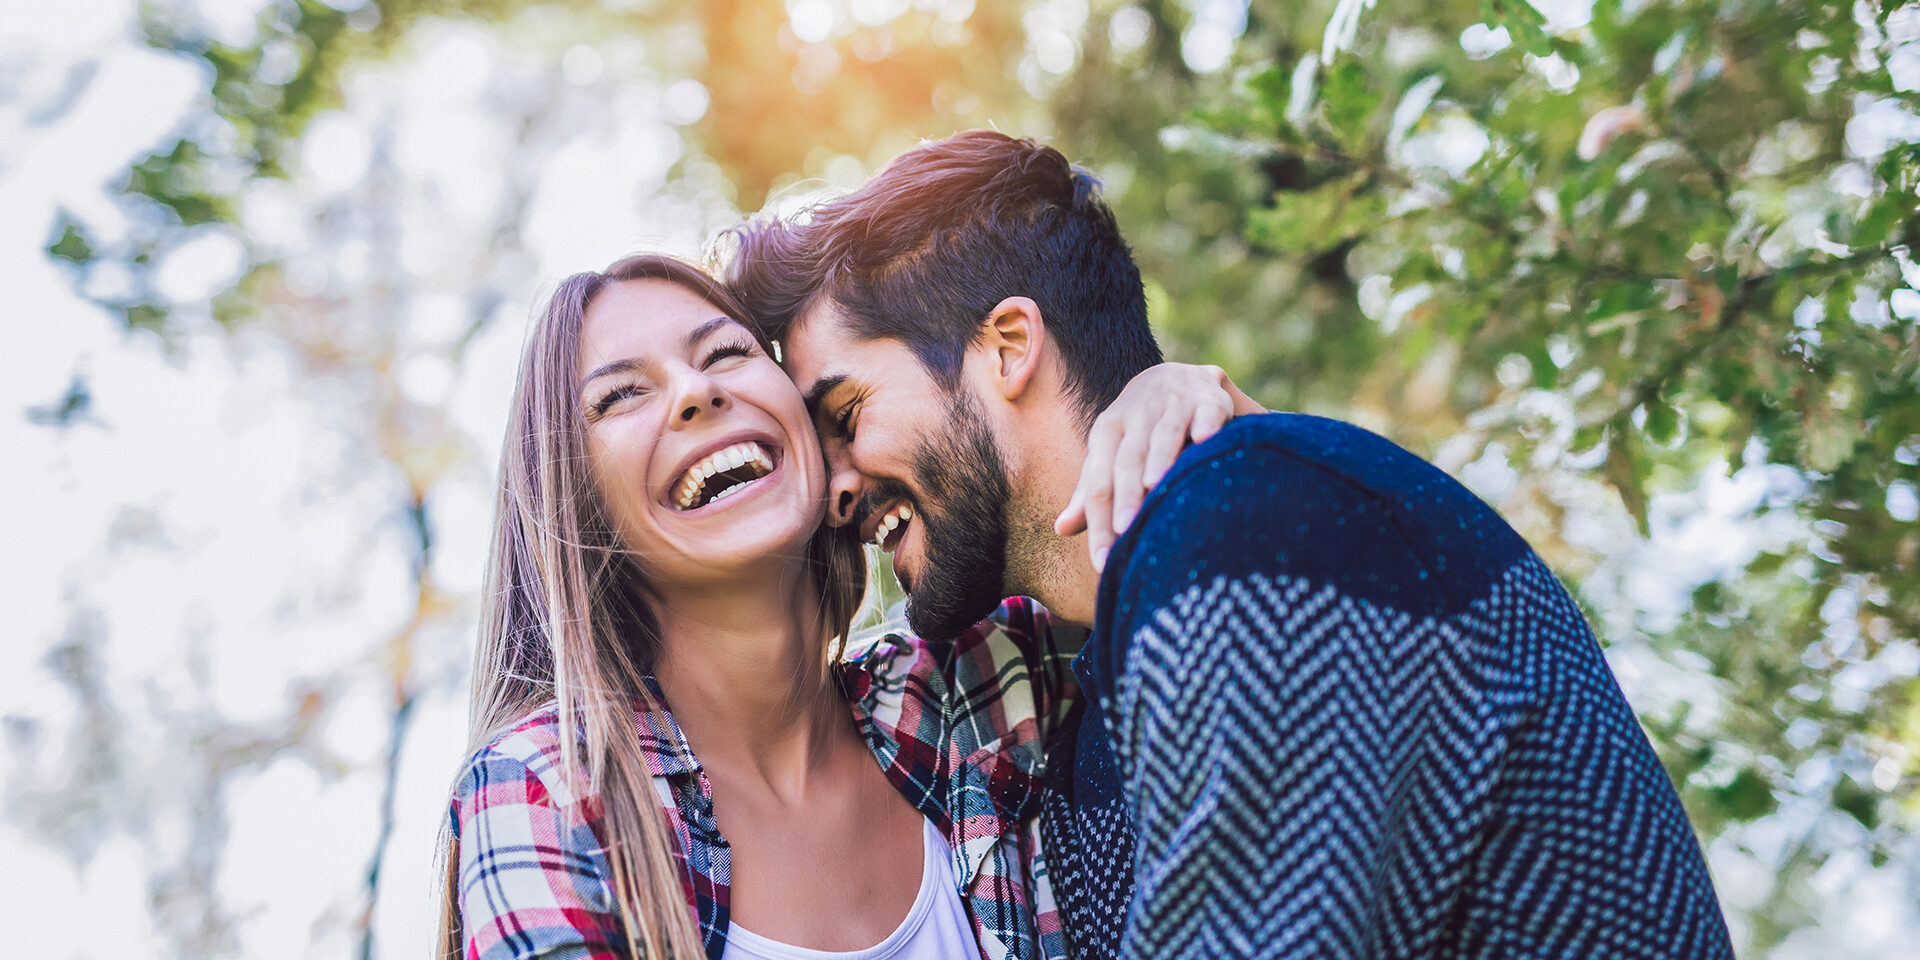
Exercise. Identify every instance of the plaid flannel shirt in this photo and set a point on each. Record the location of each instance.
(960, 729)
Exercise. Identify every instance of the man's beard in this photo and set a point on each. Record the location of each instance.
(962, 510)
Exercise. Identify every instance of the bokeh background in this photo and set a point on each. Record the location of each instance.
(1637, 271)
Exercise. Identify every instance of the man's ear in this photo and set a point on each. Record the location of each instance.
(1015, 339)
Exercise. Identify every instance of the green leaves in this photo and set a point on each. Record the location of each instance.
(1626, 469)
(176, 181)
(1663, 422)
(1349, 102)
(1827, 436)
(1526, 25)
(1747, 796)
(70, 244)
(1316, 220)
(1858, 801)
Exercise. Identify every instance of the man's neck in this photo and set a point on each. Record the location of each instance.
(1052, 569)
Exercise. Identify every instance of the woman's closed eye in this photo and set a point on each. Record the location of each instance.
(738, 348)
(605, 403)
(599, 408)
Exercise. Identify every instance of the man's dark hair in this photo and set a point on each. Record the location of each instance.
(923, 252)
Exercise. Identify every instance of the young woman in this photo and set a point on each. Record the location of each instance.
(658, 541)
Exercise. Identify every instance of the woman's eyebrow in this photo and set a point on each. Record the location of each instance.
(706, 330)
(635, 364)
(623, 365)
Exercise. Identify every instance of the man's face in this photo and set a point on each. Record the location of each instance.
(916, 469)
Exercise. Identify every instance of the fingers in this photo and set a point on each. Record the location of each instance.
(1073, 519)
(1211, 416)
(1129, 470)
(1095, 491)
(1169, 438)
(1134, 443)
(1099, 515)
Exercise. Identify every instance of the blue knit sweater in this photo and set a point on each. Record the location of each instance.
(1336, 707)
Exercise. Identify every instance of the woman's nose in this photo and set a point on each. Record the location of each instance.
(698, 393)
(693, 409)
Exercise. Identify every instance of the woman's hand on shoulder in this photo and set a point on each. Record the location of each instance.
(1134, 442)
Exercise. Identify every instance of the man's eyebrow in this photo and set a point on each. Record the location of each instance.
(817, 394)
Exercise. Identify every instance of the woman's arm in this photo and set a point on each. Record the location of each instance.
(1135, 440)
(532, 877)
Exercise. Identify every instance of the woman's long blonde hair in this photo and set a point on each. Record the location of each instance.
(565, 619)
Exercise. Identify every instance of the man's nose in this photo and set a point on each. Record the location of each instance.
(844, 485)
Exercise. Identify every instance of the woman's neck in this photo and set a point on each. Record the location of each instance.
(744, 669)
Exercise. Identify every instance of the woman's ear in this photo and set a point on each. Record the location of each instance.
(1015, 338)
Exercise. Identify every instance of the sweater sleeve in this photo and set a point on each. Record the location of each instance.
(1268, 710)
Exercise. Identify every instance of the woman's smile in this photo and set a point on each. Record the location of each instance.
(730, 469)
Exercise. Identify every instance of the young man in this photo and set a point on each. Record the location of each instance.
(1334, 705)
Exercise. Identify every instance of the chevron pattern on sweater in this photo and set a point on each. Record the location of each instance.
(1351, 780)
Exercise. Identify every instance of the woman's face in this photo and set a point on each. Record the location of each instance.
(699, 445)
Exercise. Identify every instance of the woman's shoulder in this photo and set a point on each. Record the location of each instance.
(519, 763)
(534, 733)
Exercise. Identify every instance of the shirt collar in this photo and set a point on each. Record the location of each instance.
(661, 742)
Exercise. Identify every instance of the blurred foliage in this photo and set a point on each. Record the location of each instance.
(1623, 255)
(781, 104)
(1675, 251)
(781, 108)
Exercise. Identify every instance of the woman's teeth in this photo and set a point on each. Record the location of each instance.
(743, 463)
(891, 522)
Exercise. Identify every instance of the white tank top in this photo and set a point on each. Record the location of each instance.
(935, 929)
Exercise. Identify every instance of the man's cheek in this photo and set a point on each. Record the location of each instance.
(891, 450)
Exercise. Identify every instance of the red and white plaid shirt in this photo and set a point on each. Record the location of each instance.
(960, 728)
